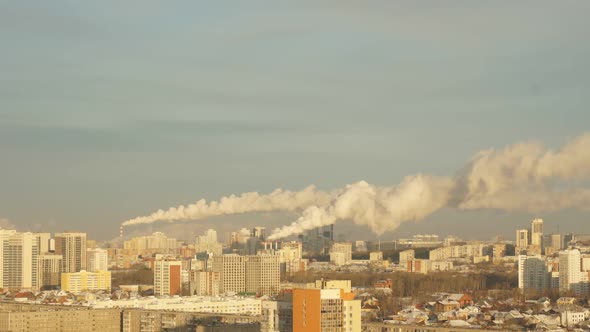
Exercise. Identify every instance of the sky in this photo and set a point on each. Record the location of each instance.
(112, 110)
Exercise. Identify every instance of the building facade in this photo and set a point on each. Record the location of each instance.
(167, 277)
(72, 248)
(49, 270)
(77, 282)
(325, 310)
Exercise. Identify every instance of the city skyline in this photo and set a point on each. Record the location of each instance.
(110, 114)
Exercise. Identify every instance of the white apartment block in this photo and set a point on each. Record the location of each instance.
(252, 274)
(204, 283)
(44, 239)
(232, 271)
(263, 274)
(97, 260)
(341, 253)
(570, 275)
(533, 273)
(157, 240)
(406, 255)
(291, 251)
(215, 305)
(463, 251)
(208, 243)
(19, 259)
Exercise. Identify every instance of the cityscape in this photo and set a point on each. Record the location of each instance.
(535, 281)
(294, 166)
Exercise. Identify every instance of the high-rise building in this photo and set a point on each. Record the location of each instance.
(259, 232)
(263, 274)
(44, 239)
(252, 274)
(76, 282)
(49, 270)
(19, 260)
(316, 310)
(72, 247)
(499, 250)
(291, 251)
(5, 234)
(318, 240)
(537, 233)
(208, 243)
(232, 271)
(533, 273)
(290, 255)
(167, 277)
(341, 253)
(157, 240)
(557, 241)
(570, 278)
(204, 283)
(522, 241)
(97, 260)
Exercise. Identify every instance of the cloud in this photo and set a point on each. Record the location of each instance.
(6, 224)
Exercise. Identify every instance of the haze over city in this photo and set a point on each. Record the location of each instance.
(294, 166)
(108, 115)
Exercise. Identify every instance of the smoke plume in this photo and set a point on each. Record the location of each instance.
(521, 177)
(278, 200)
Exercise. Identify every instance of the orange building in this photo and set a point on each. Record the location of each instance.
(325, 310)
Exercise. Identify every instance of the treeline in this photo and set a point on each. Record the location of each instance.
(415, 284)
(137, 275)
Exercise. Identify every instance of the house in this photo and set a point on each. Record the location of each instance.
(463, 299)
(446, 305)
(383, 284)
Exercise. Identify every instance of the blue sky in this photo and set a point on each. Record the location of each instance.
(109, 111)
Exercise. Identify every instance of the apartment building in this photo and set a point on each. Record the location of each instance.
(49, 270)
(97, 259)
(49, 318)
(77, 282)
(252, 274)
(18, 259)
(325, 310)
(463, 251)
(341, 253)
(167, 277)
(204, 283)
(72, 247)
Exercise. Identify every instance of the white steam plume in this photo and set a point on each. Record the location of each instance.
(520, 177)
(278, 200)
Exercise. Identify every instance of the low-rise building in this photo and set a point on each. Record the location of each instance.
(46, 318)
(76, 282)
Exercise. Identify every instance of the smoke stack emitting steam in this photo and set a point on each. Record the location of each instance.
(521, 177)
